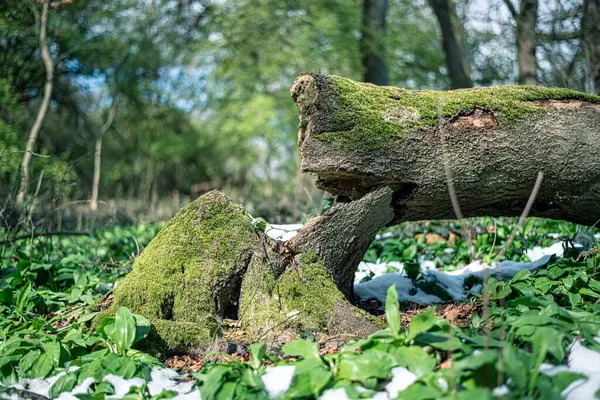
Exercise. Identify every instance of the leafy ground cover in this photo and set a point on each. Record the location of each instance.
(534, 336)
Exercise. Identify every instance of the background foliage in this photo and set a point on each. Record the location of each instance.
(200, 87)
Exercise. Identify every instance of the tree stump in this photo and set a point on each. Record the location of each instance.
(209, 263)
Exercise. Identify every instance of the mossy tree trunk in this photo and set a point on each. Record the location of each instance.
(493, 141)
(209, 264)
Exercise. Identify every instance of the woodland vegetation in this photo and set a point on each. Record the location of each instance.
(406, 135)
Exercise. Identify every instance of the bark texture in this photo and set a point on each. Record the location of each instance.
(452, 43)
(358, 137)
(372, 42)
(590, 25)
(340, 244)
(526, 40)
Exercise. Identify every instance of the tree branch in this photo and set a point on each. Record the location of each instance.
(558, 36)
(42, 234)
(512, 9)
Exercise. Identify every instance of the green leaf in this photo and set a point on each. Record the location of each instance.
(6, 296)
(227, 391)
(53, 350)
(87, 317)
(392, 309)
(310, 378)
(476, 360)
(414, 358)
(302, 348)
(515, 365)
(125, 330)
(409, 253)
(258, 351)
(23, 297)
(42, 366)
(142, 327)
(421, 323)
(373, 363)
(65, 383)
(27, 361)
(418, 391)
(440, 341)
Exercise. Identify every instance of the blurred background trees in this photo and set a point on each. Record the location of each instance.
(157, 101)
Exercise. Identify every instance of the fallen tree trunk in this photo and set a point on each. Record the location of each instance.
(357, 137)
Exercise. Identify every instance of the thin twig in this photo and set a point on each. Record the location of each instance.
(524, 215)
(451, 190)
(42, 234)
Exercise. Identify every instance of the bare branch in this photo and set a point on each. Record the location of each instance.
(512, 9)
(43, 234)
(558, 36)
(524, 214)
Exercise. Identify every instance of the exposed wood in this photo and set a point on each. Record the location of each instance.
(495, 153)
(98, 155)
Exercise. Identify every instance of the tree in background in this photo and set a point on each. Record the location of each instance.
(526, 39)
(372, 42)
(590, 25)
(42, 23)
(452, 43)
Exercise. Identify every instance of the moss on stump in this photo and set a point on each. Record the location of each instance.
(208, 259)
(303, 298)
(189, 275)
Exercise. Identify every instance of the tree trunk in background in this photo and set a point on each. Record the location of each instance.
(39, 119)
(452, 42)
(526, 38)
(98, 157)
(591, 39)
(356, 138)
(372, 42)
(96, 178)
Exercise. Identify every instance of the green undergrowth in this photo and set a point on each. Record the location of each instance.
(51, 287)
(379, 115)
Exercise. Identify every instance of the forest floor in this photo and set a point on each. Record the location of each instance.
(530, 334)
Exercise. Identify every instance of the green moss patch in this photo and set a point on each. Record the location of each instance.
(178, 278)
(300, 299)
(303, 299)
(380, 114)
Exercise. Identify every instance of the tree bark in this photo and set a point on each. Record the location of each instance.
(340, 244)
(358, 137)
(526, 40)
(98, 156)
(452, 43)
(591, 39)
(41, 114)
(372, 42)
